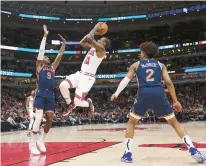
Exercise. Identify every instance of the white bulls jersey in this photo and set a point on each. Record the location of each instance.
(91, 62)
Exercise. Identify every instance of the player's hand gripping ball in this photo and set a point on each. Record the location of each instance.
(102, 28)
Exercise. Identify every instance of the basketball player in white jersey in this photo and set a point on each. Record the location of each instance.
(83, 80)
(30, 111)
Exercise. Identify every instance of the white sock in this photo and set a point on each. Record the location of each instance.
(31, 123)
(43, 137)
(34, 138)
(64, 88)
(128, 145)
(188, 141)
(38, 119)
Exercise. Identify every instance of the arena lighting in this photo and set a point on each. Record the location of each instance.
(15, 74)
(202, 42)
(122, 18)
(55, 42)
(79, 19)
(39, 17)
(36, 50)
(5, 12)
(199, 69)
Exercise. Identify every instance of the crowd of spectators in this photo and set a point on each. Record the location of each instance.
(13, 110)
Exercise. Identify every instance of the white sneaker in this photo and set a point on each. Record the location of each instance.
(41, 146)
(33, 148)
(200, 158)
(32, 144)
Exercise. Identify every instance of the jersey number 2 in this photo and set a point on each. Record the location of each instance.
(149, 77)
(87, 60)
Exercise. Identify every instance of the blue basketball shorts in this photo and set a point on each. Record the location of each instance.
(152, 97)
(45, 99)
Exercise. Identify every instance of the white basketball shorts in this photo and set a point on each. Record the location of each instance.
(83, 82)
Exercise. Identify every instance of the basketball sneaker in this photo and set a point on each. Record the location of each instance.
(69, 110)
(200, 158)
(41, 146)
(32, 145)
(91, 108)
(33, 149)
(127, 157)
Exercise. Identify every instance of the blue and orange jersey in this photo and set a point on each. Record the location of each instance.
(149, 73)
(46, 77)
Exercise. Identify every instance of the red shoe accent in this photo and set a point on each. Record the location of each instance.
(69, 110)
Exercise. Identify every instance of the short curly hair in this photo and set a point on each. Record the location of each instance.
(149, 48)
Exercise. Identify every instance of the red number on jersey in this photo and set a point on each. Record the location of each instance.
(87, 60)
(91, 52)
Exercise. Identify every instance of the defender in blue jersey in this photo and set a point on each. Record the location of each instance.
(149, 73)
(44, 101)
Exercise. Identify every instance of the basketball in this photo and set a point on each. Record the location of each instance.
(103, 29)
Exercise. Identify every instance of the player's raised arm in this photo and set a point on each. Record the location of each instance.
(40, 57)
(170, 86)
(56, 62)
(93, 42)
(125, 81)
(85, 44)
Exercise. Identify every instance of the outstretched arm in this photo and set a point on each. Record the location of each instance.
(89, 41)
(56, 62)
(40, 57)
(170, 86)
(85, 44)
(125, 81)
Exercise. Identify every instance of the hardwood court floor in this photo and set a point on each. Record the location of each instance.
(103, 145)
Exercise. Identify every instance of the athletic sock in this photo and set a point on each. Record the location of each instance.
(188, 141)
(31, 124)
(128, 145)
(43, 137)
(64, 88)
